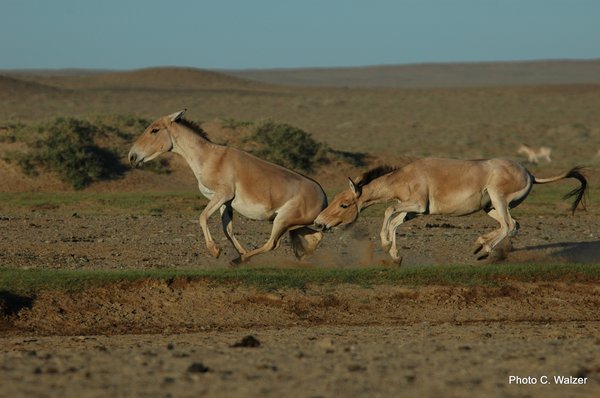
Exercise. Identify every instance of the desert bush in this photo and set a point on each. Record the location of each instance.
(294, 148)
(79, 151)
(285, 145)
(22, 160)
(66, 146)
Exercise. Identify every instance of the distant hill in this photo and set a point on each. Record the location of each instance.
(485, 74)
(11, 85)
(163, 78)
(449, 75)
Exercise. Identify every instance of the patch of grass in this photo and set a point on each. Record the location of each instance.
(231, 123)
(30, 281)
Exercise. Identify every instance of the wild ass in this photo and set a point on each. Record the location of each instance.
(534, 156)
(445, 187)
(234, 179)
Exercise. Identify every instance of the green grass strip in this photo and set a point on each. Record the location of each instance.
(19, 281)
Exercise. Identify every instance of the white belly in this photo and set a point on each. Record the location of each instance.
(254, 211)
(208, 194)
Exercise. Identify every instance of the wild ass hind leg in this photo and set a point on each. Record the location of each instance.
(508, 226)
(281, 224)
(227, 221)
(213, 205)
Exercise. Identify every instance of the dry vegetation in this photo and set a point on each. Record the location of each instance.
(388, 123)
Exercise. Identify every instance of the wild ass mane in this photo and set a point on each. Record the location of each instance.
(195, 127)
(374, 173)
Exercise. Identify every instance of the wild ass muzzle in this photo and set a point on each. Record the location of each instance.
(233, 179)
(444, 187)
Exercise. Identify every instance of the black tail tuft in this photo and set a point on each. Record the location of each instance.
(580, 192)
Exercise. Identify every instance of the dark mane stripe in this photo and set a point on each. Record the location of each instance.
(374, 173)
(195, 127)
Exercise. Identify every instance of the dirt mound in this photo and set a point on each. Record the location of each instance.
(177, 306)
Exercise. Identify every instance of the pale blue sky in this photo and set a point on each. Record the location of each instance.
(237, 34)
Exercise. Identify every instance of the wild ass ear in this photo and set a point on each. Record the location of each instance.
(177, 115)
(353, 187)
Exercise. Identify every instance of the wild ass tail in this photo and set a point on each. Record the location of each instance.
(579, 193)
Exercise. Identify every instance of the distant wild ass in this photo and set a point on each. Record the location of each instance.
(445, 187)
(534, 156)
(233, 179)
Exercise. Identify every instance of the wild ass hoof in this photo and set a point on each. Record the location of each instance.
(215, 251)
(386, 245)
(236, 262)
(397, 261)
(483, 256)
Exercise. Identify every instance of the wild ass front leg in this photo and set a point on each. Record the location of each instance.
(227, 221)
(394, 223)
(406, 209)
(386, 239)
(213, 205)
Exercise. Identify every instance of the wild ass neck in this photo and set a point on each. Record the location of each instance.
(192, 147)
(377, 191)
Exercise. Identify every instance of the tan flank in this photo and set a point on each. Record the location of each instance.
(234, 179)
(442, 186)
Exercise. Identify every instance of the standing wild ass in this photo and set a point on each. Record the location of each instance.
(234, 179)
(446, 187)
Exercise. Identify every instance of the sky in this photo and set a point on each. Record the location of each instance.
(248, 34)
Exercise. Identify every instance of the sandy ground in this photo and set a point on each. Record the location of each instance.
(421, 359)
(180, 338)
(175, 338)
(50, 239)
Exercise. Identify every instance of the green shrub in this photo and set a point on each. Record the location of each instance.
(67, 147)
(285, 145)
(294, 148)
(79, 151)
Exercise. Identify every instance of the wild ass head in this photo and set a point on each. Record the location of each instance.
(342, 210)
(346, 205)
(155, 140)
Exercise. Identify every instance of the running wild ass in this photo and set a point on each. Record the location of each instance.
(534, 156)
(234, 179)
(445, 187)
